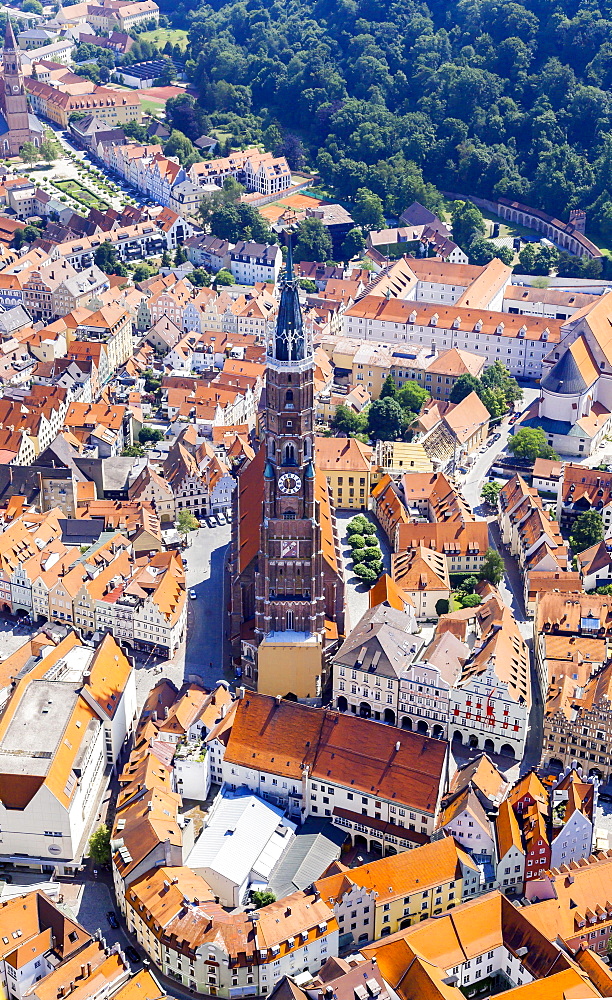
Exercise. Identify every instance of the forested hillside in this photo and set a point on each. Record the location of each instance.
(482, 97)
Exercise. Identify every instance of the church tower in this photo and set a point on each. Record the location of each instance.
(22, 126)
(15, 97)
(289, 590)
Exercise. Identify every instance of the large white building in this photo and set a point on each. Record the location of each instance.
(242, 839)
(61, 732)
(575, 404)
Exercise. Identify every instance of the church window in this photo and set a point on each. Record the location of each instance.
(289, 515)
(289, 454)
(290, 619)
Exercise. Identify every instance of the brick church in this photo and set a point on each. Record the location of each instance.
(287, 598)
(17, 124)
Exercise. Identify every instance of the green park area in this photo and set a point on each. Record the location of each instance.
(161, 36)
(81, 194)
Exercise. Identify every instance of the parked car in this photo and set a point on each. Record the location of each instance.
(132, 954)
(193, 595)
(221, 519)
(111, 916)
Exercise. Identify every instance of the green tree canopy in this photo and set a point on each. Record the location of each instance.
(263, 897)
(186, 522)
(464, 385)
(587, 530)
(492, 568)
(346, 421)
(386, 420)
(313, 241)
(467, 223)
(99, 845)
(530, 443)
(224, 277)
(368, 209)
(412, 396)
(150, 434)
(389, 388)
(490, 492)
(353, 244)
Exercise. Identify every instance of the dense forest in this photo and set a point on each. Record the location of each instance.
(406, 99)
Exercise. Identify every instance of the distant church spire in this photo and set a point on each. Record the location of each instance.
(290, 343)
(9, 36)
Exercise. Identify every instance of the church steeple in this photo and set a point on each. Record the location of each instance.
(21, 126)
(290, 343)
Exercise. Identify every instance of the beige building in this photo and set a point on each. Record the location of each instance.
(347, 465)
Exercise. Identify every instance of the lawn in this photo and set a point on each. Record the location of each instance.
(152, 107)
(159, 37)
(81, 194)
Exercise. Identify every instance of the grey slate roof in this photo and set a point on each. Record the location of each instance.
(381, 642)
(565, 377)
(315, 846)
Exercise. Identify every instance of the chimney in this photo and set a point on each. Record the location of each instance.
(397, 745)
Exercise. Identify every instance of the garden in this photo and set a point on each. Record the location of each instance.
(366, 552)
(81, 194)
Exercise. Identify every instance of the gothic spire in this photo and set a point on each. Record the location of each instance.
(9, 36)
(290, 344)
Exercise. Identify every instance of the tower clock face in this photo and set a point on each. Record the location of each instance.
(290, 484)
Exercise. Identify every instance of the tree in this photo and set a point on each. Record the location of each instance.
(313, 241)
(29, 153)
(166, 260)
(105, 257)
(497, 376)
(32, 7)
(357, 542)
(587, 530)
(133, 451)
(143, 271)
(200, 278)
(389, 389)
(492, 568)
(471, 600)
(186, 522)
(263, 897)
(150, 434)
(366, 573)
(412, 396)
(386, 420)
(530, 443)
(99, 845)
(180, 256)
(353, 244)
(368, 209)
(464, 385)
(467, 223)
(346, 421)
(371, 554)
(469, 584)
(442, 606)
(307, 285)
(490, 492)
(224, 277)
(49, 151)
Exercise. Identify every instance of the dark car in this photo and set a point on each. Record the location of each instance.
(132, 954)
(111, 916)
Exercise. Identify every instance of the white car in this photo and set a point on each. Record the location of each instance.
(193, 595)
(221, 519)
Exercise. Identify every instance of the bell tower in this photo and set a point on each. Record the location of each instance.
(15, 97)
(289, 582)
